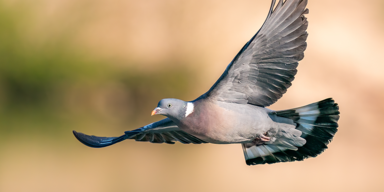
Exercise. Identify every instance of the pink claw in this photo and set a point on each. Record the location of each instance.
(264, 138)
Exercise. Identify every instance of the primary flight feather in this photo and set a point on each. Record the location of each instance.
(234, 109)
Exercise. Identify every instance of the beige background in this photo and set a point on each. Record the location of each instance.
(178, 48)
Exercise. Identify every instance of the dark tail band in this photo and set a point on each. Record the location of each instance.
(318, 124)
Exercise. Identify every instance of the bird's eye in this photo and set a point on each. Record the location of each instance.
(169, 105)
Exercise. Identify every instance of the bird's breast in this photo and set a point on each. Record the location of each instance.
(208, 122)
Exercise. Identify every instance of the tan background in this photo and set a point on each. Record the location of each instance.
(100, 67)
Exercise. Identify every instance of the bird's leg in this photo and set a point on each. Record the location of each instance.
(264, 138)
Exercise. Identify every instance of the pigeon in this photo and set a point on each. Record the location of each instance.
(233, 111)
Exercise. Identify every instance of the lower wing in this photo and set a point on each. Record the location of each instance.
(163, 131)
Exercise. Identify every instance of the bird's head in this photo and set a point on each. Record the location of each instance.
(174, 109)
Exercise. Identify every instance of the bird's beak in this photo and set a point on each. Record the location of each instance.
(155, 111)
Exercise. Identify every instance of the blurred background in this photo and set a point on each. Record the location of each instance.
(100, 67)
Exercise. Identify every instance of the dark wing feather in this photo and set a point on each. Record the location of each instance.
(97, 142)
(164, 131)
(265, 67)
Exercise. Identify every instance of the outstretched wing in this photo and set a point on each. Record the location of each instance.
(164, 131)
(265, 67)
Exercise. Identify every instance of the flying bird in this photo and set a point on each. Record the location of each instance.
(233, 111)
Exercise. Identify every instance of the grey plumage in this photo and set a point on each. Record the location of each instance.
(264, 69)
(234, 109)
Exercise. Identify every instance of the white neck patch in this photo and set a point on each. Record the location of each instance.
(189, 109)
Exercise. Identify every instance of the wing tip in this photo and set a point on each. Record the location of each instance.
(97, 142)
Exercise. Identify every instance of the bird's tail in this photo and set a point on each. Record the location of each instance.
(318, 124)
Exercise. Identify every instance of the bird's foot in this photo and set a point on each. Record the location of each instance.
(264, 138)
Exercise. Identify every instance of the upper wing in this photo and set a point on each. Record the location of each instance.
(265, 67)
(164, 131)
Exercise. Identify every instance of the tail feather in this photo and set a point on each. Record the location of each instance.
(318, 124)
(98, 142)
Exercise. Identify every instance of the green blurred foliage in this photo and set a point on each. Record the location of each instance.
(29, 72)
(36, 77)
